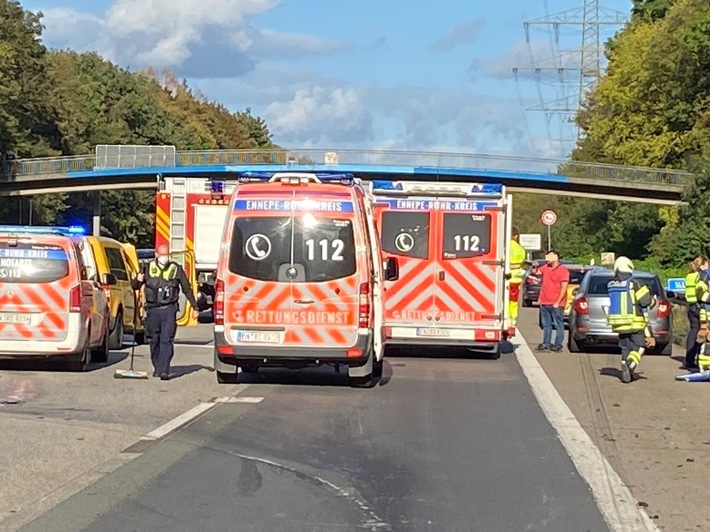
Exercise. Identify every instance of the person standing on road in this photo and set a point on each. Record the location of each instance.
(697, 295)
(517, 255)
(162, 280)
(553, 294)
(629, 303)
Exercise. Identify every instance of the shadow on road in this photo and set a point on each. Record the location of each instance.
(616, 373)
(182, 371)
(59, 363)
(324, 376)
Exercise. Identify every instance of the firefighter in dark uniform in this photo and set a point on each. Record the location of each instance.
(162, 280)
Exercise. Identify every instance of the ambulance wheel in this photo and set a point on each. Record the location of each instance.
(363, 382)
(116, 338)
(101, 353)
(495, 354)
(80, 362)
(227, 378)
(377, 368)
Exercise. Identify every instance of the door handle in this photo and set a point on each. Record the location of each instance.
(304, 301)
(442, 275)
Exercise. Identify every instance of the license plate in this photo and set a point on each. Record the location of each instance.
(428, 331)
(260, 337)
(24, 319)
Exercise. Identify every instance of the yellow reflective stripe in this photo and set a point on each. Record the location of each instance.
(641, 292)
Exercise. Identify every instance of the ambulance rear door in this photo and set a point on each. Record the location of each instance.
(405, 228)
(469, 276)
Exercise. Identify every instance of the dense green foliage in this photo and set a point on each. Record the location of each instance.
(652, 108)
(63, 103)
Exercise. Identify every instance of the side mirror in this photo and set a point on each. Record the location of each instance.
(391, 269)
(671, 294)
(108, 279)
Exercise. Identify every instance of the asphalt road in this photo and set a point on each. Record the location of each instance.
(441, 444)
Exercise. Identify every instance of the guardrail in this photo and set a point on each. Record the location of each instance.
(60, 166)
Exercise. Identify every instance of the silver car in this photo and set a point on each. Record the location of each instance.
(587, 323)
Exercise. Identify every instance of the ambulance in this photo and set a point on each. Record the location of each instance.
(450, 240)
(299, 278)
(48, 305)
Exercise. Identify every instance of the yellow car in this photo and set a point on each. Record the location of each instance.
(111, 256)
(576, 274)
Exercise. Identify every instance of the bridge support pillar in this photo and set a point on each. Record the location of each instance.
(96, 229)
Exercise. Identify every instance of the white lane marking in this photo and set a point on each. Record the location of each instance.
(179, 421)
(239, 399)
(614, 499)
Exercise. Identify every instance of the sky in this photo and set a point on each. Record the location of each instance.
(359, 74)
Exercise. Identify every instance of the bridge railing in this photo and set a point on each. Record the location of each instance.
(60, 166)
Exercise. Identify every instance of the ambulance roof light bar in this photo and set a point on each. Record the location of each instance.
(296, 178)
(405, 188)
(73, 230)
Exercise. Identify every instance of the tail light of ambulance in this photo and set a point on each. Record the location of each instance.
(218, 306)
(75, 299)
(364, 307)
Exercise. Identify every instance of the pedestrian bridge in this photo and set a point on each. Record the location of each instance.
(124, 167)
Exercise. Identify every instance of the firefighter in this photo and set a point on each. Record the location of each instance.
(629, 302)
(518, 256)
(162, 280)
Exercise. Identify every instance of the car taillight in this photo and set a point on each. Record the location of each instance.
(75, 299)
(581, 306)
(664, 309)
(364, 312)
(218, 305)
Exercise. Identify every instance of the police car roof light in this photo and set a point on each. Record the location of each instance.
(296, 178)
(42, 230)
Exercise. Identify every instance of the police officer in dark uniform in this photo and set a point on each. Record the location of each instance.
(162, 280)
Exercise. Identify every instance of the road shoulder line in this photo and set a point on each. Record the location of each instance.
(614, 499)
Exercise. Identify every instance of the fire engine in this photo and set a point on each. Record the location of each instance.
(451, 240)
(189, 217)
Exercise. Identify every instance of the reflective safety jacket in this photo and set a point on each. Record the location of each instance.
(691, 287)
(517, 258)
(629, 301)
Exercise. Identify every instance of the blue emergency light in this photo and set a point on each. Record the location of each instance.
(323, 177)
(42, 230)
(217, 187)
(482, 189)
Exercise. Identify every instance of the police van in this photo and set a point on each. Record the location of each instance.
(48, 305)
(299, 278)
(451, 243)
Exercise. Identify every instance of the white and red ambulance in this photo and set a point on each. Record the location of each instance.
(451, 243)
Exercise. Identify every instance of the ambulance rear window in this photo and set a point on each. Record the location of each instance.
(32, 263)
(466, 235)
(406, 233)
(323, 248)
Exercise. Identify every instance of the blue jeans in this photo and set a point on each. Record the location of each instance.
(552, 317)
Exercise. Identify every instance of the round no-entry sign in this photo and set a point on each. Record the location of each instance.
(548, 217)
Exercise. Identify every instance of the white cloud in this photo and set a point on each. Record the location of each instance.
(318, 115)
(461, 33)
(198, 38)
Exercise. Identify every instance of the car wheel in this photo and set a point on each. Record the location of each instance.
(116, 338)
(101, 353)
(80, 362)
(572, 344)
(665, 349)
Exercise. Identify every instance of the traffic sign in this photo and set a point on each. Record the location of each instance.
(676, 284)
(549, 217)
(531, 242)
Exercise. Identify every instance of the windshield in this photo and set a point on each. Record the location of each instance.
(32, 263)
(323, 248)
(575, 277)
(598, 285)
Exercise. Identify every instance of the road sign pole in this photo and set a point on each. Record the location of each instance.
(549, 237)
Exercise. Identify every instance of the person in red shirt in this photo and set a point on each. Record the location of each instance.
(553, 294)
